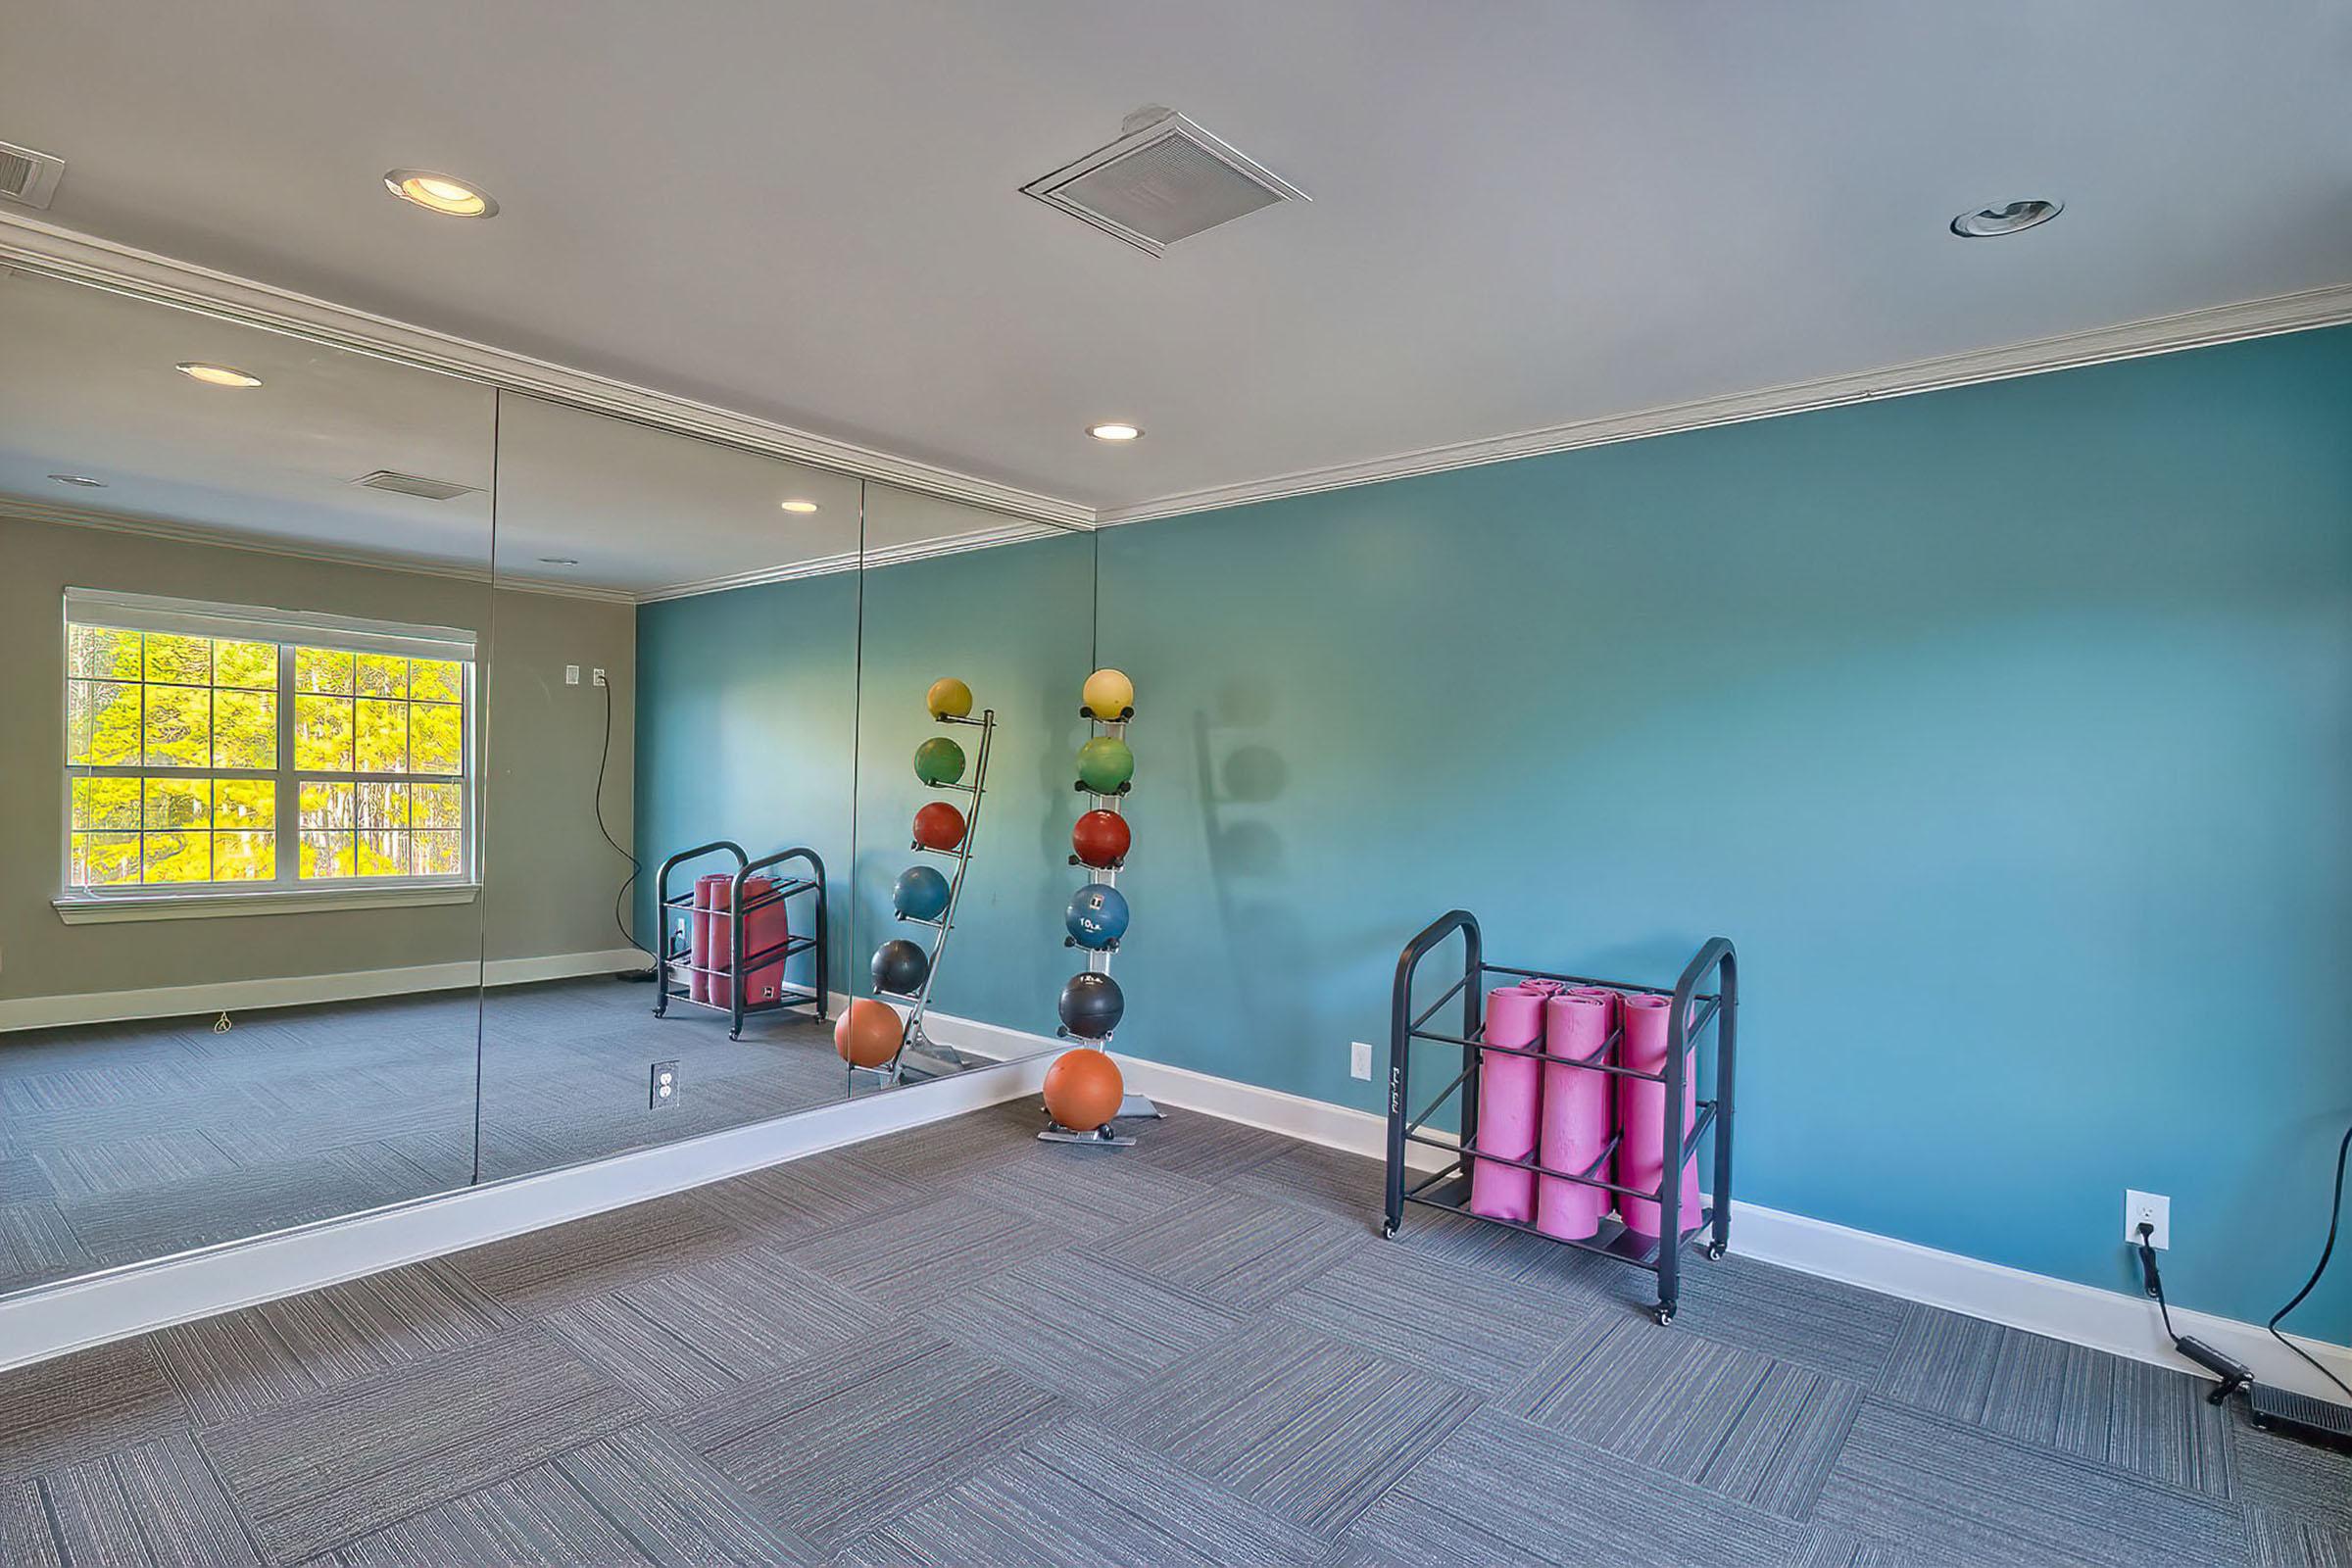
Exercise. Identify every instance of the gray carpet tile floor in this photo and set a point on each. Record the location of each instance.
(872, 1358)
(126, 1141)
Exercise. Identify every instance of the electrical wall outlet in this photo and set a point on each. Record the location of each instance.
(2152, 1208)
(597, 676)
(663, 1091)
(572, 674)
(1360, 1059)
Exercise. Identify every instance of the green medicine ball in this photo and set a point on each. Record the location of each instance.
(939, 760)
(1105, 763)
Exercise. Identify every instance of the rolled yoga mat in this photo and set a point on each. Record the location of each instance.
(1508, 1091)
(1580, 1112)
(1641, 1112)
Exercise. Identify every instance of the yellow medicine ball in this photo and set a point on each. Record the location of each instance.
(1110, 695)
(950, 699)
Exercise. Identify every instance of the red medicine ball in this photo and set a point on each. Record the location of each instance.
(939, 826)
(1100, 839)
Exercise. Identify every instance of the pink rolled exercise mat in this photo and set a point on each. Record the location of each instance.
(1510, 1090)
(1641, 1110)
(1580, 1112)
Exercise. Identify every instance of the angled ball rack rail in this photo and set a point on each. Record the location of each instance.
(1696, 1012)
(678, 970)
(919, 1056)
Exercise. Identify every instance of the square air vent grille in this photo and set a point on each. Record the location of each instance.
(1166, 179)
(409, 484)
(29, 176)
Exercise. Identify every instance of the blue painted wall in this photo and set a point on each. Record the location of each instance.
(2008, 731)
(747, 729)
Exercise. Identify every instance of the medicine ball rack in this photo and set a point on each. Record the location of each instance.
(919, 1056)
(1449, 1187)
(678, 968)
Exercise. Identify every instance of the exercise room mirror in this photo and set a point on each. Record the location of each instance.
(247, 601)
(978, 636)
(675, 715)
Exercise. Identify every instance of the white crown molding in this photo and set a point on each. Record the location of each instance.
(59, 516)
(44, 248)
(2163, 334)
(1010, 533)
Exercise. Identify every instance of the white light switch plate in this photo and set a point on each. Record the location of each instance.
(572, 674)
(1360, 1059)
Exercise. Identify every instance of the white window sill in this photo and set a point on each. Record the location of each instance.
(77, 909)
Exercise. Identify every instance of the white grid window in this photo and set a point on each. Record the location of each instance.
(225, 748)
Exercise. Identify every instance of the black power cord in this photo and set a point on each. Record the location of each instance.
(2233, 1375)
(621, 899)
(2336, 1214)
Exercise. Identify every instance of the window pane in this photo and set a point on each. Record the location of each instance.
(245, 803)
(436, 854)
(384, 853)
(184, 660)
(178, 802)
(323, 669)
(436, 680)
(437, 737)
(327, 855)
(250, 664)
(180, 724)
(102, 724)
(435, 805)
(326, 804)
(106, 803)
(179, 856)
(383, 805)
(100, 652)
(322, 734)
(244, 856)
(244, 729)
(383, 676)
(383, 737)
(105, 859)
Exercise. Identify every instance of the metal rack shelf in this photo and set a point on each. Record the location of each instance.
(678, 970)
(1694, 1012)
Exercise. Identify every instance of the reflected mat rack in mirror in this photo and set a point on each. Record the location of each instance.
(726, 939)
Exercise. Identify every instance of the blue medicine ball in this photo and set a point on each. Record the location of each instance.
(920, 894)
(1098, 916)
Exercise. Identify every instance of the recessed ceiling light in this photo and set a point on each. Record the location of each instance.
(82, 479)
(559, 560)
(1991, 222)
(796, 504)
(1113, 431)
(438, 193)
(217, 375)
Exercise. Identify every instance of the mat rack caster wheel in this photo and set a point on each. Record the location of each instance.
(1715, 1252)
(1387, 1231)
(1664, 1315)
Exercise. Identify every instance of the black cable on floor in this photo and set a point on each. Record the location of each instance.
(2335, 1214)
(603, 762)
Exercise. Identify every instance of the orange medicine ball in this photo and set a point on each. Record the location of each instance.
(1083, 1090)
(869, 1032)
(939, 826)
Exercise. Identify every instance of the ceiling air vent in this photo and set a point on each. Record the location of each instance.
(29, 176)
(409, 484)
(1164, 180)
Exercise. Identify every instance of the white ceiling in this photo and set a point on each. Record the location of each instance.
(1526, 212)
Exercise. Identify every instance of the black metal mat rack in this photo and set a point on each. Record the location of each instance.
(680, 970)
(1695, 1011)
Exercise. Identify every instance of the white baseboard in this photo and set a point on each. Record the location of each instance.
(2080, 1314)
(75, 1314)
(289, 991)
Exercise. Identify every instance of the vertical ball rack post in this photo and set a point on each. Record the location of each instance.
(1132, 1106)
(919, 1056)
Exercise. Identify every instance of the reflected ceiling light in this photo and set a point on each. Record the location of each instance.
(438, 193)
(796, 504)
(1991, 222)
(1114, 431)
(82, 479)
(559, 560)
(217, 375)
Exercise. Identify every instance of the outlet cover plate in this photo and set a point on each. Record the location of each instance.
(661, 1086)
(2156, 1209)
(1359, 1059)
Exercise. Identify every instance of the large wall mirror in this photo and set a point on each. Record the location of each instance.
(246, 606)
